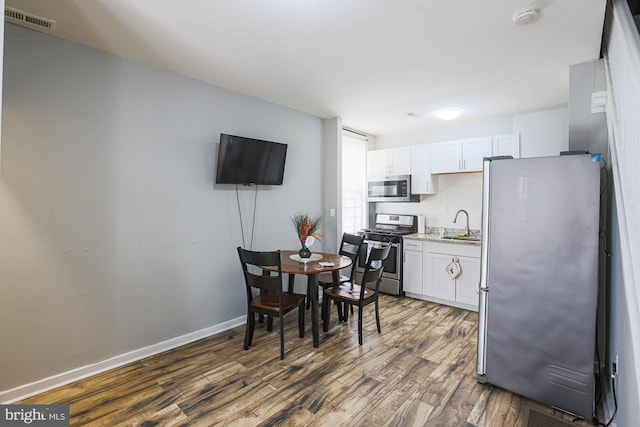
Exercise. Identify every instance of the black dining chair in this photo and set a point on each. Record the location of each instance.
(270, 299)
(352, 294)
(349, 247)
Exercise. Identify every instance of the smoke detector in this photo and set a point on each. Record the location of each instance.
(526, 15)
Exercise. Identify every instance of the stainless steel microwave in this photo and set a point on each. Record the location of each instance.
(396, 188)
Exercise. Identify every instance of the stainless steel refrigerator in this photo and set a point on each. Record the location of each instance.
(539, 278)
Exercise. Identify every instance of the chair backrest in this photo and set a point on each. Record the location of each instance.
(265, 280)
(350, 247)
(374, 266)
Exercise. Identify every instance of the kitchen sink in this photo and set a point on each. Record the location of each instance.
(465, 238)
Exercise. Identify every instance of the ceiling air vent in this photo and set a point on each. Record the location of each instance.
(28, 20)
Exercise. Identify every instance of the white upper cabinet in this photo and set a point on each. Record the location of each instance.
(507, 145)
(424, 161)
(461, 156)
(390, 161)
(422, 181)
(474, 151)
(446, 157)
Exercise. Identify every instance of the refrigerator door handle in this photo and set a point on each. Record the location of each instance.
(484, 244)
(483, 286)
(481, 368)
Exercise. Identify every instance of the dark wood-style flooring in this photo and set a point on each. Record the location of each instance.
(419, 371)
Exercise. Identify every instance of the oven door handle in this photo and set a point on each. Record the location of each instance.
(372, 244)
(377, 242)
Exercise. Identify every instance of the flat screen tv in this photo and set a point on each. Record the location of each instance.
(250, 161)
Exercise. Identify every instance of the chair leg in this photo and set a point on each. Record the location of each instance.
(301, 320)
(339, 308)
(323, 304)
(378, 315)
(292, 278)
(281, 336)
(248, 333)
(269, 323)
(360, 325)
(325, 314)
(345, 310)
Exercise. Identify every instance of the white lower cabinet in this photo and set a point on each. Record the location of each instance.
(438, 283)
(433, 282)
(467, 283)
(412, 268)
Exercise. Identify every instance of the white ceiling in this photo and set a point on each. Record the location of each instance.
(369, 62)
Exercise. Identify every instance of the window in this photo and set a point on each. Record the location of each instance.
(354, 185)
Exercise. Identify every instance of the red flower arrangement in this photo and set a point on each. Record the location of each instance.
(306, 226)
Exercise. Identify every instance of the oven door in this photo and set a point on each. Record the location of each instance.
(391, 265)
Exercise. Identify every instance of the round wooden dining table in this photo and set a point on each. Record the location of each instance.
(311, 269)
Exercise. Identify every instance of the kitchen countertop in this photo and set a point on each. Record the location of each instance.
(436, 238)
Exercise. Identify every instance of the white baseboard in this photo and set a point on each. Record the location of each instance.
(58, 380)
(443, 301)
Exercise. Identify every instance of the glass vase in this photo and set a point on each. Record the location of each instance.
(304, 252)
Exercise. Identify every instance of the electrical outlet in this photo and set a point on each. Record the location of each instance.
(615, 368)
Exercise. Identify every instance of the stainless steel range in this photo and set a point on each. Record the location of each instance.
(388, 228)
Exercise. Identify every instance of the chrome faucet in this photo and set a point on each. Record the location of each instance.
(466, 229)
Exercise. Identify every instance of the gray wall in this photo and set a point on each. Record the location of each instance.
(332, 197)
(587, 131)
(113, 235)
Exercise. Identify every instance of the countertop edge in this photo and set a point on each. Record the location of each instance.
(437, 238)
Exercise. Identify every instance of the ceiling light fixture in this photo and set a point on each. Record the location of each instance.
(448, 113)
(526, 15)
